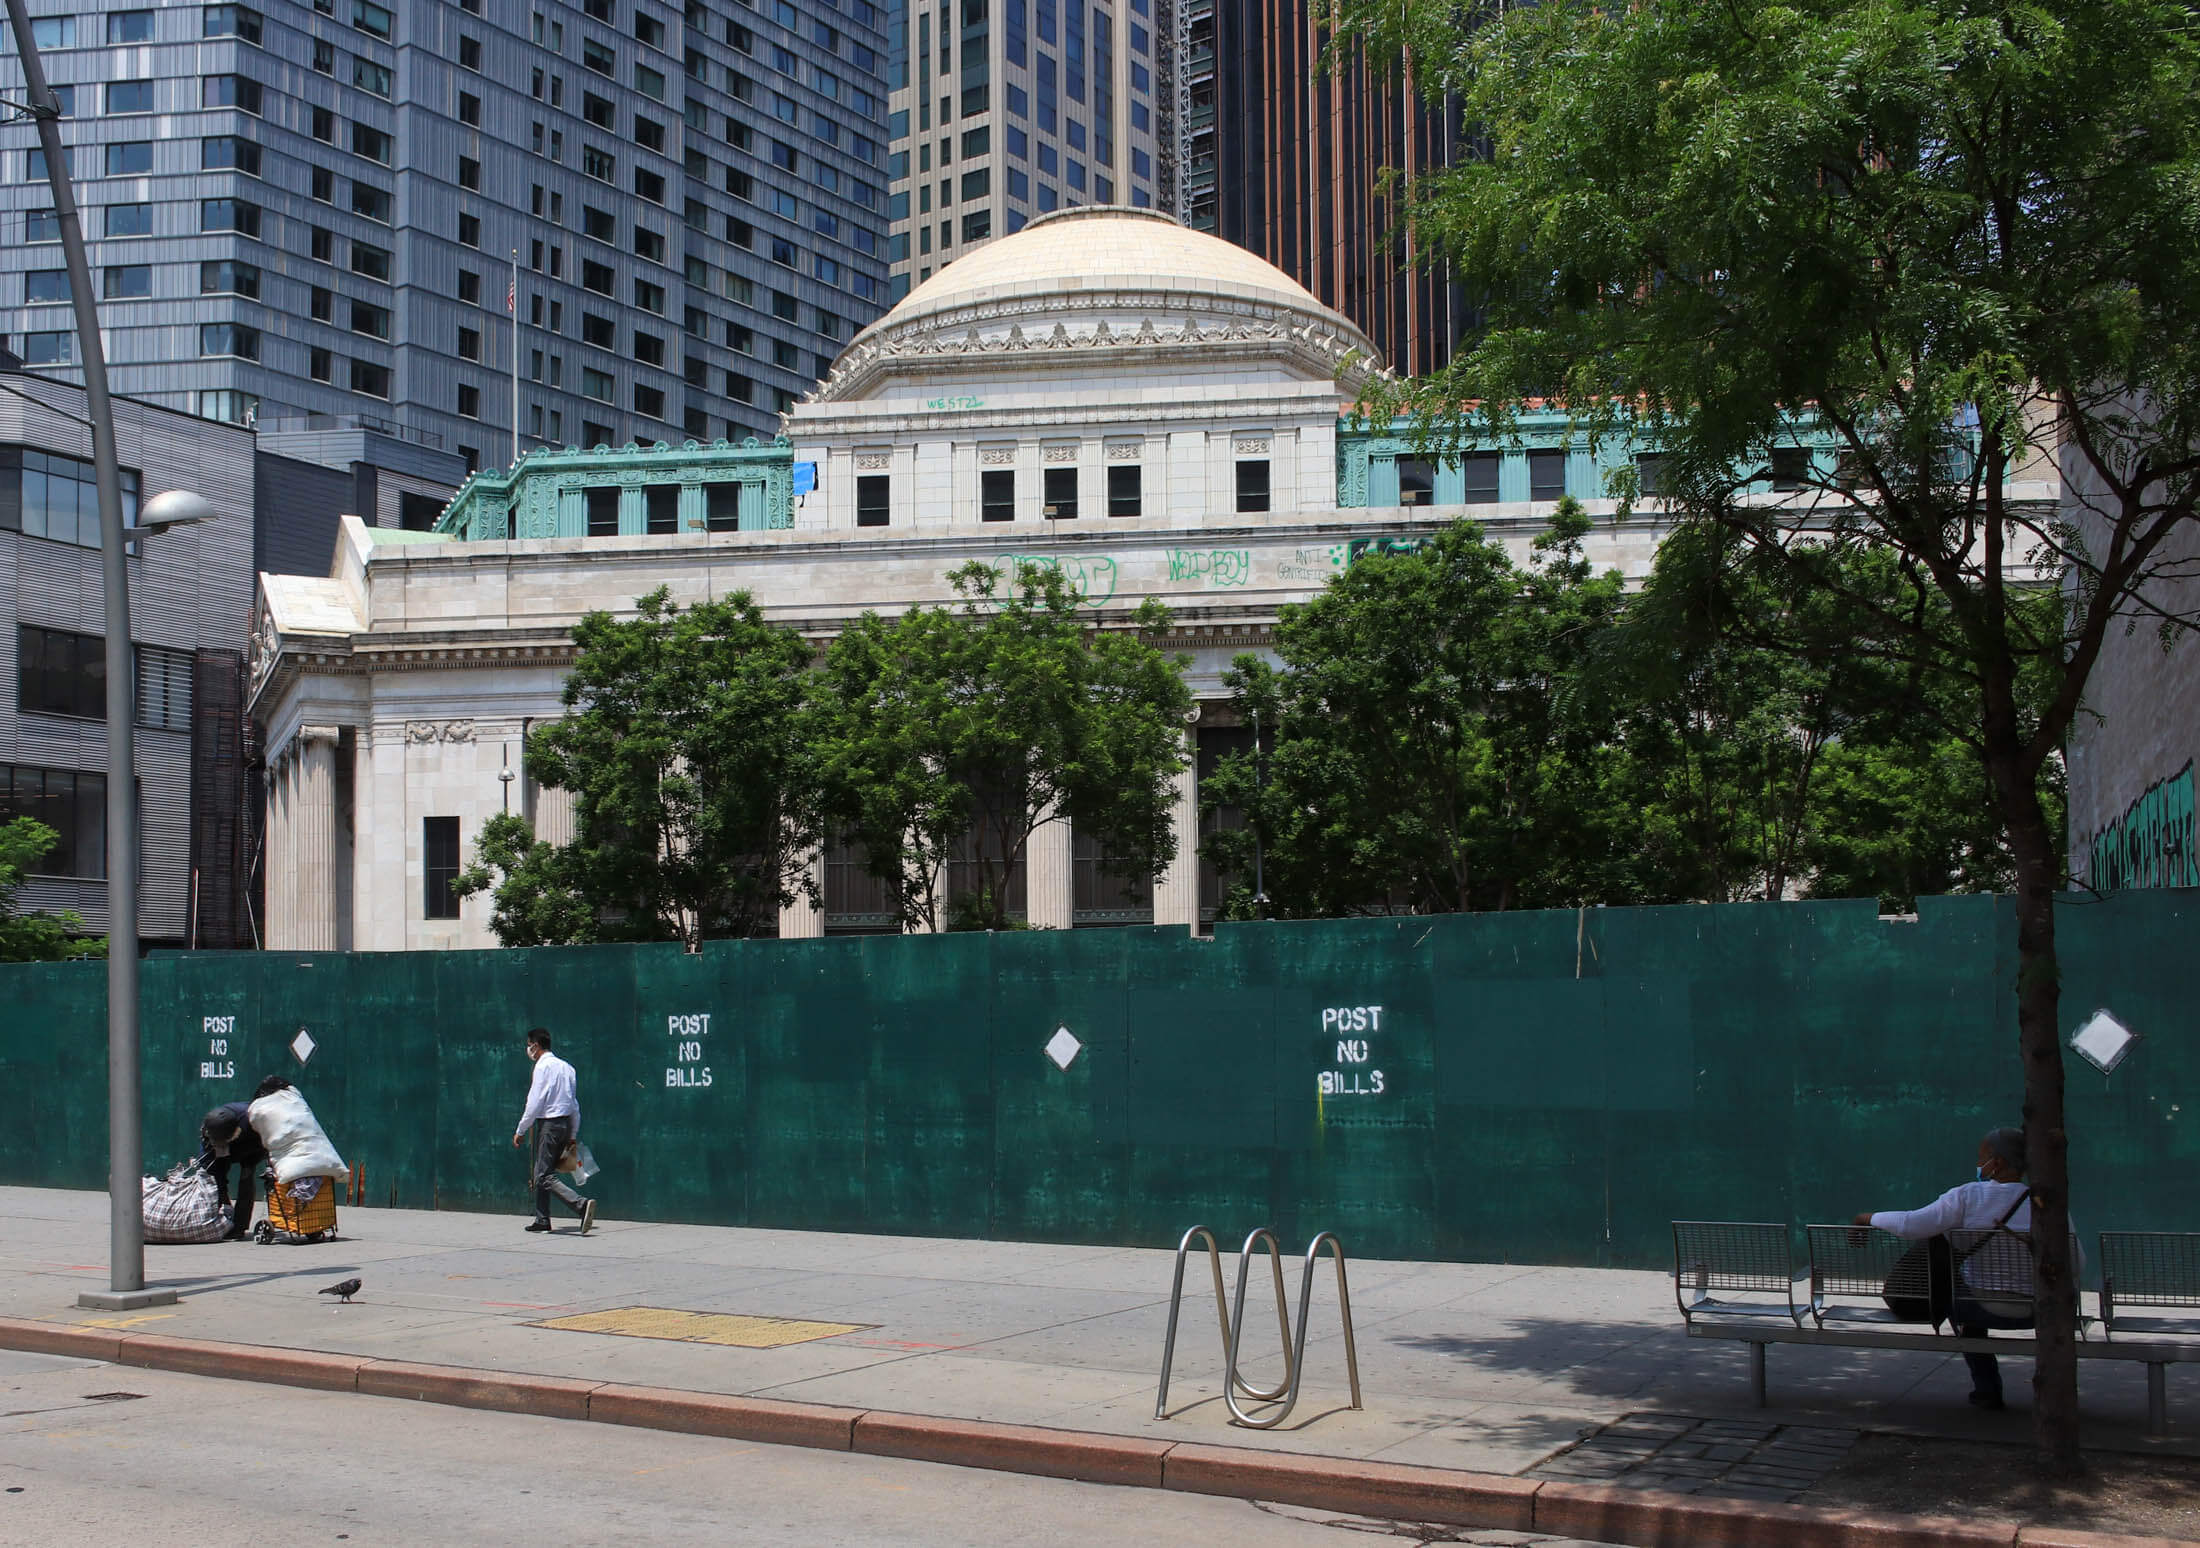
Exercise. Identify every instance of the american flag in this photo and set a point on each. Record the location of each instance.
(511, 296)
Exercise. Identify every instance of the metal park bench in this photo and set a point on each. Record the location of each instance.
(1848, 1279)
(2156, 1269)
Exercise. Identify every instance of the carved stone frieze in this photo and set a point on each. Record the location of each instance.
(423, 732)
(1063, 453)
(996, 456)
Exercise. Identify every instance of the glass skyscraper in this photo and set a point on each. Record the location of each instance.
(309, 212)
(1005, 109)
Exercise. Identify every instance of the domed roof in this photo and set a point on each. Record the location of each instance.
(1100, 247)
(1100, 280)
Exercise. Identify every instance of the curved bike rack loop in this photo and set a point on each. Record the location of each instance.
(1232, 1320)
(1222, 1311)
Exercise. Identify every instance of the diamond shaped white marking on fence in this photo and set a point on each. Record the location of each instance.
(302, 1045)
(1063, 1048)
(2103, 1041)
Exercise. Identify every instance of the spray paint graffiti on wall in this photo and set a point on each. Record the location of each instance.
(2151, 845)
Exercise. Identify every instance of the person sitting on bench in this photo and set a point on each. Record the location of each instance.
(1993, 1284)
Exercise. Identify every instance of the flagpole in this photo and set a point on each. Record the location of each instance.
(511, 304)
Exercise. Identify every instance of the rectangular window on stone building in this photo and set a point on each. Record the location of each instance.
(58, 673)
(722, 507)
(872, 502)
(1252, 485)
(603, 504)
(997, 495)
(1416, 481)
(1790, 468)
(1480, 469)
(1126, 490)
(1061, 494)
(1546, 475)
(439, 856)
(664, 507)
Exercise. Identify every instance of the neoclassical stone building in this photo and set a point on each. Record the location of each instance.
(1153, 411)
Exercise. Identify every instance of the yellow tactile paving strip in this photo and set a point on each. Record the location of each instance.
(702, 1327)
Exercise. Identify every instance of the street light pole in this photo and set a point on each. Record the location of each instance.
(125, 1199)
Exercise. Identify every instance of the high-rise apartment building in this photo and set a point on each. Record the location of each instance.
(308, 212)
(1005, 109)
(1288, 159)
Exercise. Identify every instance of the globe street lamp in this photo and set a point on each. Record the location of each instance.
(125, 1144)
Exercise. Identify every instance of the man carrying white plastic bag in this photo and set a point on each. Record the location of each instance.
(554, 1112)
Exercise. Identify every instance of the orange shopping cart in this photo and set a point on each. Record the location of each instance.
(301, 1211)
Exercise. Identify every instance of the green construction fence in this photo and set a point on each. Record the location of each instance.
(1548, 1087)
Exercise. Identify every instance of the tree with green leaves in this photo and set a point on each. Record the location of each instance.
(1769, 759)
(949, 734)
(695, 809)
(1913, 254)
(1430, 744)
(36, 937)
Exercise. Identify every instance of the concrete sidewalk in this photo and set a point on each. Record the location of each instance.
(1486, 1367)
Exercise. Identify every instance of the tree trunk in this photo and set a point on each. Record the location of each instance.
(2046, 1144)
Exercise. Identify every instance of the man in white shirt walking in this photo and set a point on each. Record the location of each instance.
(554, 1112)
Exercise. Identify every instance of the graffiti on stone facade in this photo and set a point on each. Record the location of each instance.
(1091, 581)
(2151, 845)
(1362, 548)
(1311, 564)
(1214, 566)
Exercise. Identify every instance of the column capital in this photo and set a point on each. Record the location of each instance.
(307, 735)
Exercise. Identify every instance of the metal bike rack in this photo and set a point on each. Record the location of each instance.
(1232, 1320)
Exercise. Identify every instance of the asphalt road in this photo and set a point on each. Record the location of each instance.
(192, 1460)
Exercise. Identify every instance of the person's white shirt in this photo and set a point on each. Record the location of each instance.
(1975, 1206)
(2003, 1265)
(552, 1094)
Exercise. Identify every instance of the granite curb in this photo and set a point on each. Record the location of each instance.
(1640, 1518)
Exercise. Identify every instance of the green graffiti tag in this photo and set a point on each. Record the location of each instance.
(1091, 581)
(1220, 567)
(2151, 845)
(1362, 548)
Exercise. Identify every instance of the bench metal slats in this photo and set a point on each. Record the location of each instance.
(2153, 1269)
(1733, 1255)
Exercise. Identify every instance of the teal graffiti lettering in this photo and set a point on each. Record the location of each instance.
(2152, 844)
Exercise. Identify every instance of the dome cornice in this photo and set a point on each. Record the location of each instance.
(1314, 339)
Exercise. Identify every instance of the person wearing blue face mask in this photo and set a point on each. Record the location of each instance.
(1992, 1259)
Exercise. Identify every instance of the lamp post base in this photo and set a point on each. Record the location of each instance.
(125, 1300)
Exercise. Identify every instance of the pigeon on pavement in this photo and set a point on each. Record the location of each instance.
(347, 1289)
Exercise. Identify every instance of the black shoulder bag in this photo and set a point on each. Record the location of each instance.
(1921, 1287)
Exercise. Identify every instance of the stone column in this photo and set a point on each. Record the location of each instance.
(281, 916)
(1176, 891)
(803, 920)
(315, 827)
(553, 817)
(1050, 886)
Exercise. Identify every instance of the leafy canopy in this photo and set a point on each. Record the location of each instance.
(945, 736)
(695, 811)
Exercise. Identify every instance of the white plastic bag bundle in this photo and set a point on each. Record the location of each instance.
(296, 1147)
(578, 1163)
